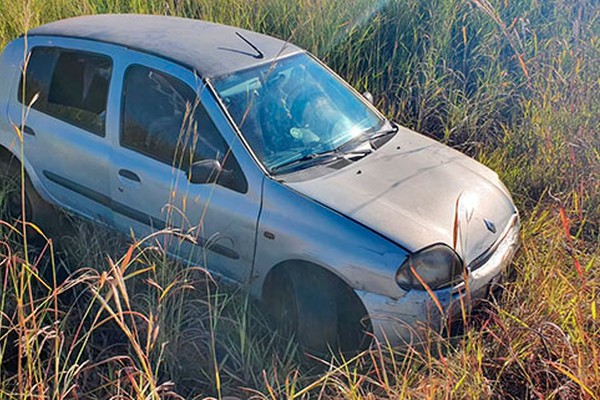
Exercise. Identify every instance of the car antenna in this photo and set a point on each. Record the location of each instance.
(249, 43)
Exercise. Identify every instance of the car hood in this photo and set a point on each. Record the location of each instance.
(413, 190)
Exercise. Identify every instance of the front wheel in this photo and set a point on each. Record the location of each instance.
(304, 304)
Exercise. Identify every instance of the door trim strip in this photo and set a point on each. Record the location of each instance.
(134, 214)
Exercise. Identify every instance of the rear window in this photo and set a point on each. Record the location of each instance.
(69, 85)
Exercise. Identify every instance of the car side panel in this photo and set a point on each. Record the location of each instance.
(11, 61)
(69, 163)
(10, 72)
(294, 227)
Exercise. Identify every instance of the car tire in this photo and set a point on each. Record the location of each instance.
(303, 303)
(37, 210)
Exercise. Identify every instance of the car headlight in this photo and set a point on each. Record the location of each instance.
(436, 266)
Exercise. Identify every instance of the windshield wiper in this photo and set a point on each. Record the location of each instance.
(384, 132)
(367, 135)
(354, 142)
(305, 159)
(338, 152)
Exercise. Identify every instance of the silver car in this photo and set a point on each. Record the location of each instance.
(259, 162)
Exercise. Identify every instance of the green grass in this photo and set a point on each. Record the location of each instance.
(514, 84)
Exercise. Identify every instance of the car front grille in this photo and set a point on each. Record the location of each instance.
(485, 256)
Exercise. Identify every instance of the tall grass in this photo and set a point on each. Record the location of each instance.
(514, 84)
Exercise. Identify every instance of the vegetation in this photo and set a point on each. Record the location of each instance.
(515, 84)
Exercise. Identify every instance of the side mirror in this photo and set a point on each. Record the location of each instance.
(369, 97)
(205, 171)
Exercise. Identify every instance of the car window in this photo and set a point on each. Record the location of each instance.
(70, 85)
(162, 118)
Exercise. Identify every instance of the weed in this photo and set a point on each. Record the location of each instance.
(514, 84)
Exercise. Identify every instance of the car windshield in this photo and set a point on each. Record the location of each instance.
(295, 109)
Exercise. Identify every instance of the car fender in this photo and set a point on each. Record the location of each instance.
(295, 227)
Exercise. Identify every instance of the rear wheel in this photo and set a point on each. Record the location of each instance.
(37, 210)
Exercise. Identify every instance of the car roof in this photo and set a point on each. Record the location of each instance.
(208, 48)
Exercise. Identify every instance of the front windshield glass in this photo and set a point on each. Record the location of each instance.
(295, 109)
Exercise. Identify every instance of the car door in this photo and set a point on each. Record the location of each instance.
(170, 120)
(62, 104)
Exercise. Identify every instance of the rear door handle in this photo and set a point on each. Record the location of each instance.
(132, 176)
(27, 129)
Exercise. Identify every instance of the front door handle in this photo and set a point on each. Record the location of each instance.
(132, 176)
(28, 130)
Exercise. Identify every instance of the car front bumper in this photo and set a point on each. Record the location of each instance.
(403, 320)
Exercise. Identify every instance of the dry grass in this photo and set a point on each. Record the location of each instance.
(515, 84)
